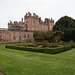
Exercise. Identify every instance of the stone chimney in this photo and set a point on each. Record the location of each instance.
(10, 22)
(46, 20)
(51, 18)
(14, 22)
(39, 19)
(27, 14)
(37, 16)
(22, 20)
(34, 14)
(30, 15)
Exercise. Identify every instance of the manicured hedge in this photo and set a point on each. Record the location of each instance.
(73, 45)
(42, 50)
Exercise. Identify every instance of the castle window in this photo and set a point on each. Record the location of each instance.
(36, 29)
(32, 23)
(32, 28)
(28, 36)
(24, 35)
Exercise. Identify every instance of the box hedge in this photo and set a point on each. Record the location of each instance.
(42, 50)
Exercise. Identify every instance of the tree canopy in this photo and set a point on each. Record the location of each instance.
(69, 34)
(64, 23)
(46, 36)
(65, 26)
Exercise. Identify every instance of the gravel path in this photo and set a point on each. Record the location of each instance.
(1, 73)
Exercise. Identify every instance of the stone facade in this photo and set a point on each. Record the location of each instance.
(8, 36)
(32, 23)
(23, 31)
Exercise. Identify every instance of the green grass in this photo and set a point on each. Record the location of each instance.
(16, 62)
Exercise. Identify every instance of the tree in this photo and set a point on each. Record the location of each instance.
(49, 36)
(63, 24)
(39, 36)
(69, 35)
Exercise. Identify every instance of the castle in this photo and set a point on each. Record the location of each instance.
(23, 31)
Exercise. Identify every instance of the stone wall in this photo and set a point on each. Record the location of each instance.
(8, 36)
(22, 31)
(32, 23)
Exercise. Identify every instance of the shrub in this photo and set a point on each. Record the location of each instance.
(51, 45)
(39, 43)
(45, 41)
(69, 34)
(54, 50)
(43, 36)
(71, 42)
(32, 45)
(73, 45)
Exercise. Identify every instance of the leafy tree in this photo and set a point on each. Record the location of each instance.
(38, 36)
(69, 35)
(64, 23)
(46, 36)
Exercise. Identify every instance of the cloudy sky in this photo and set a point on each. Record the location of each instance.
(14, 10)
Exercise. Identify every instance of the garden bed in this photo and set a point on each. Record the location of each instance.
(42, 48)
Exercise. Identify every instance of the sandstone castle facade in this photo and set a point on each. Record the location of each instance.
(23, 31)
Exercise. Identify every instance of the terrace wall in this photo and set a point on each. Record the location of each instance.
(7, 36)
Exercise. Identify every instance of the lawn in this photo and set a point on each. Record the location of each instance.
(17, 62)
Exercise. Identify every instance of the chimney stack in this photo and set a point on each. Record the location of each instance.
(22, 20)
(10, 22)
(30, 15)
(46, 20)
(39, 19)
(34, 14)
(51, 18)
